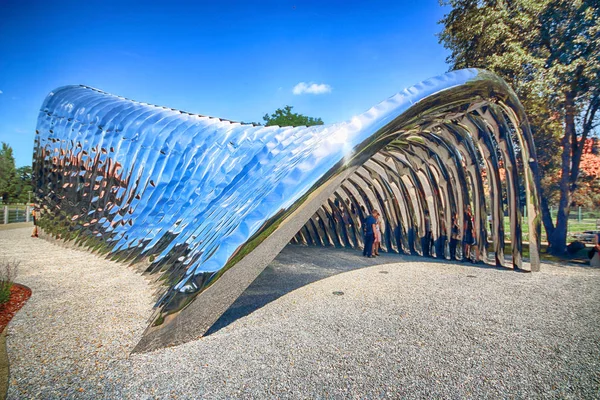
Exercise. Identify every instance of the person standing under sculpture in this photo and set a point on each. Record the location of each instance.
(426, 239)
(369, 230)
(454, 236)
(377, 238)
(35, 213)
(440, 242)
(469, 238)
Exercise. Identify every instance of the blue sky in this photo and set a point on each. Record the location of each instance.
(230, 59)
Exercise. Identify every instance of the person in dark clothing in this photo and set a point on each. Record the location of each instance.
(440, 242)
(426, 240)
(469, 238)
(369, 231)
(454, 238)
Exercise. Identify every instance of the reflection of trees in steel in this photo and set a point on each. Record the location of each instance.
(73, 181)
(92, 195)
(204, 204)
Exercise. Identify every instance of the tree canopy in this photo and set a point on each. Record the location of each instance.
(549, 52)
(285, 117)
(15, 183)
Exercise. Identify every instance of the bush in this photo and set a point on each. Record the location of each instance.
(8, 272)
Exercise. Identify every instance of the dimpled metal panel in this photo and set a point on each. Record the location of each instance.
(203, 204)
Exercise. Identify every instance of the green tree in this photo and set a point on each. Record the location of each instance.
(8, 174)
(549, 52)
(286, 117)
(23, 184)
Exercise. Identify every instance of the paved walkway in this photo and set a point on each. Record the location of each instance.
(404, 328)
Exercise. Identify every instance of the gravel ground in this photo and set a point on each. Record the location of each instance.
(403, 328)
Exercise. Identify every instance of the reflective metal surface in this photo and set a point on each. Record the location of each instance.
(204, 204)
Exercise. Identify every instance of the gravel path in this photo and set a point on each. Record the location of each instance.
(84, 316)
(407, 328)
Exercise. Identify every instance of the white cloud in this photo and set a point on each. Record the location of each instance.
(1, 92)
(312, 88)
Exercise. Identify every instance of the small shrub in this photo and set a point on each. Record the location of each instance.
(8, 272)
(5, 291)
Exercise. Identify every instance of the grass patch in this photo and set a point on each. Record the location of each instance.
(575, 226)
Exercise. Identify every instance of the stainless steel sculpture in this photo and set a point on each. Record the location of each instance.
(205, 204)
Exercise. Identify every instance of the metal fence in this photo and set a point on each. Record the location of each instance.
(15, 213)
(582, 223)
(580, 215)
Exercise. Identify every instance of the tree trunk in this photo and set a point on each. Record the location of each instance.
(557, 241)
(546, 217)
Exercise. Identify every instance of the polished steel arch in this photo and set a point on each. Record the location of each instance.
(203, 204)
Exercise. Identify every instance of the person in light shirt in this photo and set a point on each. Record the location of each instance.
(377, 231)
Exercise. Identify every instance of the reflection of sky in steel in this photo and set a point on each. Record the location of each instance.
(194, 191)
